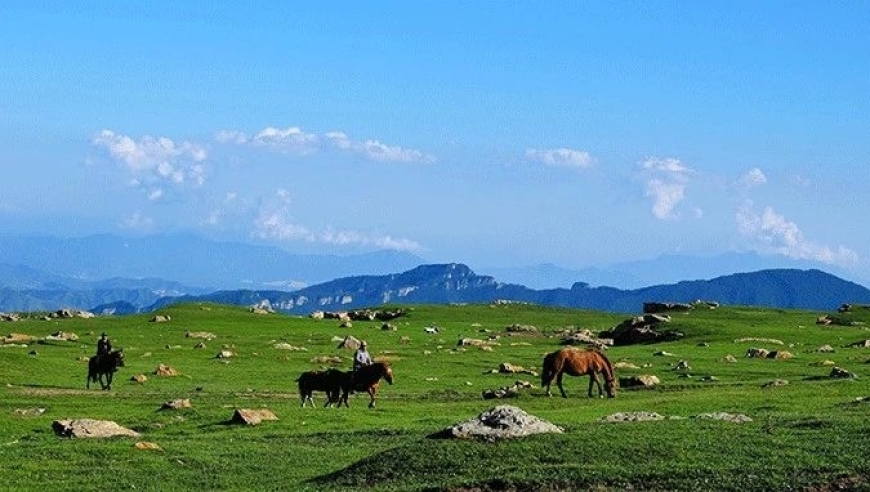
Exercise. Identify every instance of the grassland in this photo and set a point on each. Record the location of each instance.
(811, 434)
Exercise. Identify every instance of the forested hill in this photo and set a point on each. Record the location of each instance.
(456, 283)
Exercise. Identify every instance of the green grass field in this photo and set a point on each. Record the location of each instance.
(811, 434)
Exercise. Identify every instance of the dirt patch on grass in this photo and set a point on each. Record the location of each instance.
(43, 391)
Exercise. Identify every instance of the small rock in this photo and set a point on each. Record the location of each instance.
(252, 417)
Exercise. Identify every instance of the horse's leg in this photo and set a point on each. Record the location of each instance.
(593, 380)
(559, 384)
(109, 379)
(372, 392)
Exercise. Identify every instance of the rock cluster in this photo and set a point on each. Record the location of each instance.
(497, 423)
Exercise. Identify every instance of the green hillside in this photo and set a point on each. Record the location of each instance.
(809, 433)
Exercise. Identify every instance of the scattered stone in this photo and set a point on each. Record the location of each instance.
(709, 379)
(861, 344)
(641, 381)
(405, 340)
(346, 324)
(252, 417)
(840, 373)
(164, 370)
(147, 446)
(824, 349)
(389, 327)
(349, 342)
(474, 342)
(663, 307)
(205, 335)
(518, 328)
(761, 340)
(757, 353)
(824, 363)
(225, 354)
(85, 428)
(317, 315)
(738, 418)
(177, 404)
(160, 318)
(511, 391)
(642, 329)
(775, 383)
(62, 336)
(662, 353)
(17, 338)
(28, 412)
(139, 378)
(682, 365)
(9, 317)
(146, 354)
(327, 359)
(501, 422)
(633, 417)
(625, 365)
(200, 345)
(780, 355)
(508, 368)
(729, 359)
(292, 348)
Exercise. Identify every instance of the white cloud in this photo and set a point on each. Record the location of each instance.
(754, 177)
(773, 233)
(155, 194)
(293, 140)
(151, 160)
(666, 181)
(561, 157)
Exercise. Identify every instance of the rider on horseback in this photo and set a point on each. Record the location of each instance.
(104, 346)
(361, 357)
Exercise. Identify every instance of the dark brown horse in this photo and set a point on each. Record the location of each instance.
(366, 378)
(104, 366)
(577, 363)
(328, 381)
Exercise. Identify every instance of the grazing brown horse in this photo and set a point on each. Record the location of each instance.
(366, 378)
(105, 365)
(328, 381)
(577, 363)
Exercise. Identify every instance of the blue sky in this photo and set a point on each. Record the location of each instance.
(492, 133)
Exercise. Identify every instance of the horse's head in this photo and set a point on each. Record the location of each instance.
(387, 372)
(610, 386)
(119, 357)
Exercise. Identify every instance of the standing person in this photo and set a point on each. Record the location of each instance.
(361, 357)
(104, 346)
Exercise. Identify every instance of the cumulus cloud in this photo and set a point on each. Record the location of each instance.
(294, 141)
(561, 157)
(754, 177)
(771, 232)
(151, 160)
(665, 182)
(375, 150)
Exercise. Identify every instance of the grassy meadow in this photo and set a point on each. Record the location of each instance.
(811, 434)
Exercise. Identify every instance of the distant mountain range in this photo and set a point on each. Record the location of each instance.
(109, 274)
(456, 283)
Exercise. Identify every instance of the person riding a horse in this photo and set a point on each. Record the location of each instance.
(361, 357)
(104, 346)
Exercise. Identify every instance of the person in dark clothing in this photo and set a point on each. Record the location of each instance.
(104, 346)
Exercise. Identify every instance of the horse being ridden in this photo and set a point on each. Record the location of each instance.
(366, 378)
(577, 363)
(100, 366)
(328, 381)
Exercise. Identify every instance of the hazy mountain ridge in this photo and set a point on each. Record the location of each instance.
(456, 283)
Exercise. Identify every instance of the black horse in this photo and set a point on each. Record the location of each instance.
(366, 378)
(328, 381)
(106, 365)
